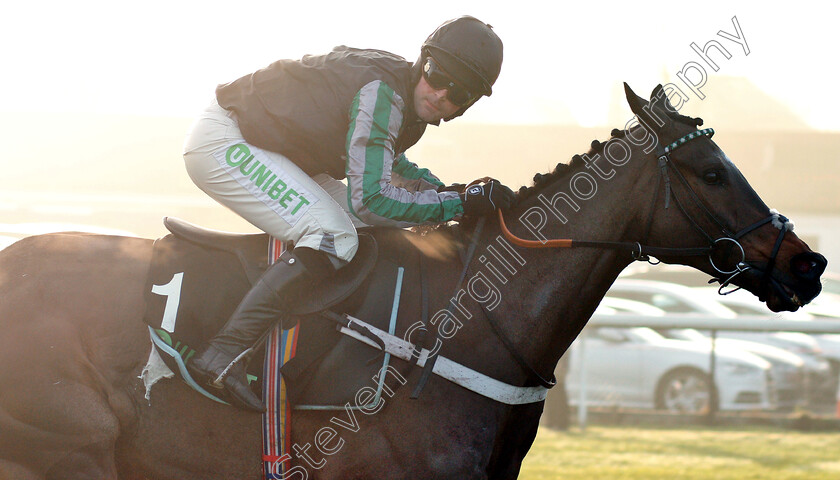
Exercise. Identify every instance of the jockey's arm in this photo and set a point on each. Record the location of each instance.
(411, 177)
(375, 120)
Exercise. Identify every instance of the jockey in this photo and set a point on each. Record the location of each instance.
(274, 145)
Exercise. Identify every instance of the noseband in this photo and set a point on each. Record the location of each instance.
(727, 276)
(642, 252)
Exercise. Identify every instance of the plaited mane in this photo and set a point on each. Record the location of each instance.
(576, 164)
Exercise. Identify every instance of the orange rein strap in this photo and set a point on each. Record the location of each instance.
(557, 243)
(636, 249)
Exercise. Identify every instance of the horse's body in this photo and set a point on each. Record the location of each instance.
(73, 341)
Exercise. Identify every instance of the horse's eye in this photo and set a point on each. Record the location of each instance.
(712, 177)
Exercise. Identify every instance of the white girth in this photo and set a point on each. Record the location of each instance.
(446, 368)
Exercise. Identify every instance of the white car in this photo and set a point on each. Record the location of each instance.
(827, 345)
(638, 368)
(816, 382)
(827, 303)
(787, 367)
(678, 299)
(789, 372)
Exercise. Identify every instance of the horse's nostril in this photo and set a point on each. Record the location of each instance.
(809, 265)
(804, 266)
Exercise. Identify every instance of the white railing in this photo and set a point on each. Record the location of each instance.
(741, 323)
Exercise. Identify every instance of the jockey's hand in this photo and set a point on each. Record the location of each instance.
(483, 199)
(455, 187)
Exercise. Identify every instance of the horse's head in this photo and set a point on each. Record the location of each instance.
(707, 201)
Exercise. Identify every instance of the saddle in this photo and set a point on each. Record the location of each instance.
(198, 276)
(251, 250)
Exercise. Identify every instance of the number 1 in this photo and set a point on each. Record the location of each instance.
(172, 292)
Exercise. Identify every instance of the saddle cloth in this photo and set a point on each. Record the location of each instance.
(197, 278)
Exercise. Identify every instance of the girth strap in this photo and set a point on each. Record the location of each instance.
(445, 368)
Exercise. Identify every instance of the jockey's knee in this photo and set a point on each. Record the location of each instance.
(345, 245)
(339, 245)
(333, 235)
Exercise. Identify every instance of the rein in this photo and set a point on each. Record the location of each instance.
(644, 252)
(637, 250)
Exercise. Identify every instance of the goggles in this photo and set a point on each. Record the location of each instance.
(438, 79)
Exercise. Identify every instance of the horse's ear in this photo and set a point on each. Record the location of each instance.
(639, 106)
(655, 94)
(636, 102)
(658, 95)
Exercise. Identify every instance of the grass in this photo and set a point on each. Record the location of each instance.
(632, 453)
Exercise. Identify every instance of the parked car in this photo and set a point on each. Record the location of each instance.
(825, 306)
(638, 368)
(788, 370)
(789, 374)
(827, 303)
(827, 345)
(817, 385)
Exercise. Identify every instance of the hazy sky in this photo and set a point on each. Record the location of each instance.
(561, 58)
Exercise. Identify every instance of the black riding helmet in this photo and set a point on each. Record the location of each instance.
(470, 51)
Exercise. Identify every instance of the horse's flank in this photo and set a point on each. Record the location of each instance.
(69, 346)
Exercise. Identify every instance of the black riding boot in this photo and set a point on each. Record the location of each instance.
(222, 364)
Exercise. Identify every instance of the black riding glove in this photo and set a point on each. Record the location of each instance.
(483, 199)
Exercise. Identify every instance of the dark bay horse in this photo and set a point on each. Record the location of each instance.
(73, 341)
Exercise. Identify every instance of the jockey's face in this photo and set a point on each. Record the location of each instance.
(432, 105)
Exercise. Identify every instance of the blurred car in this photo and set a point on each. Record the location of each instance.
(638, 368)
(827, 303)
(788, 369)
(817, 384)
(789, 374)
(827, 345)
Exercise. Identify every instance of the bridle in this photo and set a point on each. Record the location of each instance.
(638, 250)
(641, 252)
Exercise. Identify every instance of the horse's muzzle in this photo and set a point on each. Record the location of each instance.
(803, 283)
(808, 266)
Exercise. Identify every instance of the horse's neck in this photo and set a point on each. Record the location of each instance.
(556, 290)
